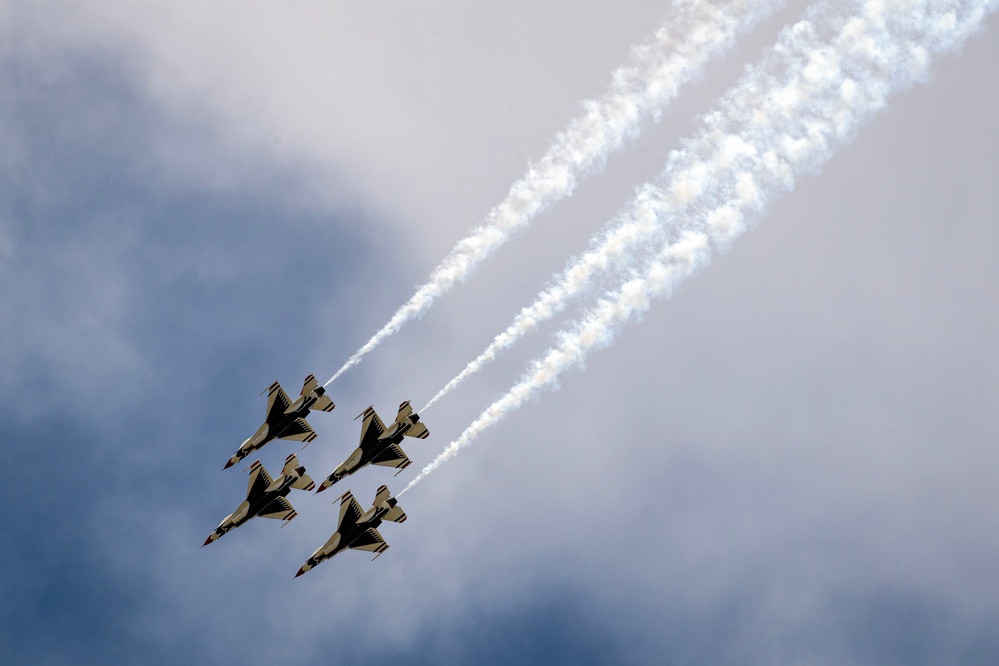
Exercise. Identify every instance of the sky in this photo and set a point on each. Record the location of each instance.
(792, 460)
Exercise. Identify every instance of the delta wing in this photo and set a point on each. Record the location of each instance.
(392, 456)
(277, 403)
(299, 430)
(350, 512)
(279, 508)
(369, 540)
(259, 480)
(372, 427)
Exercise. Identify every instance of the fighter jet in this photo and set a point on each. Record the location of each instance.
(286, 419)
(358, 531)
(380, 446)
(265, 497)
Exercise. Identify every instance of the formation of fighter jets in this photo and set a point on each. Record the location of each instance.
(268, 498)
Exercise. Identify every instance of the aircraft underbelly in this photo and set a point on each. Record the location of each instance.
(240, 514)
(332, 546)
(354, 460)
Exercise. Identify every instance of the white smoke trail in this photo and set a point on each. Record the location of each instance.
(610, 250)
(785, 118)
(695, 32)
(638, 226)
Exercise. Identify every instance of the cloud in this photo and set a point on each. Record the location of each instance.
(787, 436)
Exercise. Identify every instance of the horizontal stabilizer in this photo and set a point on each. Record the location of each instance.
(418, 430)
(304, 482)
(323, 404)
(299, 430)
(279, 508)
(290, 463)
(395, 514)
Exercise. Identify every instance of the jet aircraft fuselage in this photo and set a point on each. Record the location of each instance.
(340, 541)
(380, 445)
(286, 419)
(356, 530)
(265, 497)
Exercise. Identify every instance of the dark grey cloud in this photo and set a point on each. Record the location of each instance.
(135, 302)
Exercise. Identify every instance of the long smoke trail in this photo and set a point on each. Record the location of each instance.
(611, 250)
(694, 33)
(785, 118)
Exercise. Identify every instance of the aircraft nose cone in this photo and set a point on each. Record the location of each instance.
(300, 572)
(229, 464)
(208, 540)
(323, 486)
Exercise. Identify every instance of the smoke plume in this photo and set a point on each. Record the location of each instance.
(694, 33)
(824, 79)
